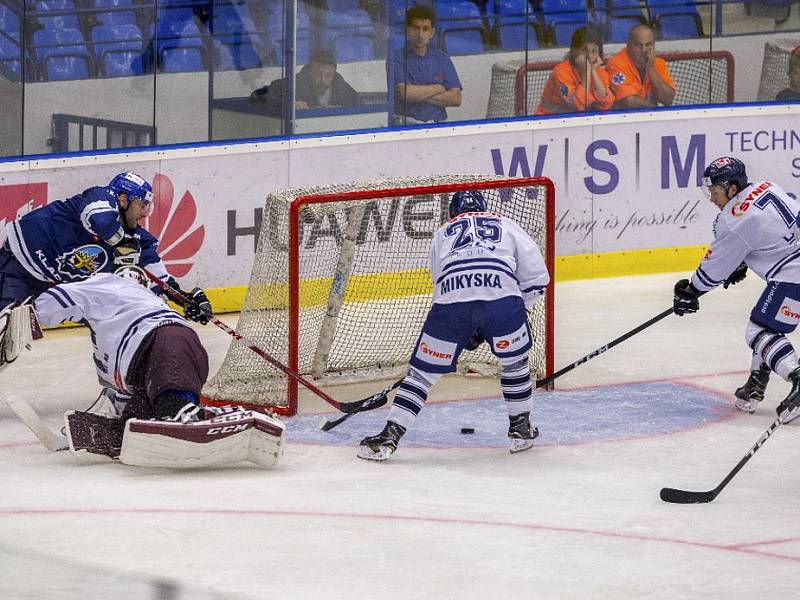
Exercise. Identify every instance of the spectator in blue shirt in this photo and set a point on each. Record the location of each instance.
(423, 77)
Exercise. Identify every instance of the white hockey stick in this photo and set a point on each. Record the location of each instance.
(50, 439)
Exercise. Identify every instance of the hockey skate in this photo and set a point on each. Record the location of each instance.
(789, 409)
(380, 447)
(521, 432)
(752, 392)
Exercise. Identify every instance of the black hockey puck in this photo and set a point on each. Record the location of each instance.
(467, 430)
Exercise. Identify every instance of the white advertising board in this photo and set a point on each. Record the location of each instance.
(623, 181)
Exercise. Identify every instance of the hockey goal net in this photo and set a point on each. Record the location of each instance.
(340, 285)
(775, 67)
(700, 78)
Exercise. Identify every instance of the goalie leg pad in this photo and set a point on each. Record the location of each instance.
(226, 439)
(93, 437)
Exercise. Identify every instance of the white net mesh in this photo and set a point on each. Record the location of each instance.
(700, 78)
(363, 288)
(775, 68)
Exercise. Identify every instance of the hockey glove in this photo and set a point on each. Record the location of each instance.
(739, 273)
(127, 252)
(198, 308)
(685, 300)
(475, 341)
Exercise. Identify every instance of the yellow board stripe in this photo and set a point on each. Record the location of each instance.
(382, 286)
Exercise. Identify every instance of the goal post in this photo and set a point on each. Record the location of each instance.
(700, 77)
(340, 284)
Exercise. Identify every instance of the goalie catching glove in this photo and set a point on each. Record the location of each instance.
(18, 328)
(127, 252)
(685, 301)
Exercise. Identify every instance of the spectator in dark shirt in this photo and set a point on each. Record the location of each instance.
(792, 93)
(423, 77)
(317, 85)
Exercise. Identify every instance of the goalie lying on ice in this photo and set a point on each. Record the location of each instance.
(154, 363)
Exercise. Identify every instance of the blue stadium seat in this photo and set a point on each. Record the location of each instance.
(675, 19)
(181, 47)
(303, 45)
(10, 55)
(118, 50)
(61, 54)
(460, 28)
(343, 5)
(235, 38)
(181, 59)
(352, 35)
(354, 47)
(515, 33)
(116, 17)
(617, 28)
(58, 21)
(9, 23)
(563, 18)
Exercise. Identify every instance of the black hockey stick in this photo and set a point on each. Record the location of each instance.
(345, 407)
(328, 425)
(686, 497)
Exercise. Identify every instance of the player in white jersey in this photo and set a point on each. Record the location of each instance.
(757, 228)
(153, 360)
(486, 270)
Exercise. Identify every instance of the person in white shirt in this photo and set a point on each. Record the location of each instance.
(486, 270)
(757, 228)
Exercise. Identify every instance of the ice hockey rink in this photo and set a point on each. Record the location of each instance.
(450, 515)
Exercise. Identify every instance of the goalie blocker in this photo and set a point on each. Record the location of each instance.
(234, 436)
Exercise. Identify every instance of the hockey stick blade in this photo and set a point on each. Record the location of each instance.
(50, 439)
(352, 408)
(686, 497)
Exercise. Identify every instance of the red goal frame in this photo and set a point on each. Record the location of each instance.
(298, 203)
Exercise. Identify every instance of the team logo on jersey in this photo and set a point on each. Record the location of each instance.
(789, 312)
(82, 262)
(173, 224)
(618, 79)
(513, 342)
(435, 351)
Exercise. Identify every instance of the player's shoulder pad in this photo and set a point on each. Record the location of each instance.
(96, 193)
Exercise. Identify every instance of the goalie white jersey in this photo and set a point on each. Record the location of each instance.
(485, 256)
(758, 226)
(119, 313)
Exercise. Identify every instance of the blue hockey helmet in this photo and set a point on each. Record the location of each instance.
(134, 186)
(725, 171)
(466, 201)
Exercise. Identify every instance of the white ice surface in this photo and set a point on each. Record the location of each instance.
(571, 521)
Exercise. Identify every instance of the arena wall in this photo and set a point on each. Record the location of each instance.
(626, 183)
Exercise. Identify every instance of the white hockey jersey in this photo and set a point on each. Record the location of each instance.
(758, 226)
(485, 256)
(119, 312)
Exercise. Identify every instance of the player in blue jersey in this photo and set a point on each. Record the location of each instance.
(486, 270)
(96, 231)
(423, 77)
(757, 228)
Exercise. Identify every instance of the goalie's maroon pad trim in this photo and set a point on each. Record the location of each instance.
(202, 432)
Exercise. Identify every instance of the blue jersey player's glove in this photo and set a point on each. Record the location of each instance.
(127, 252)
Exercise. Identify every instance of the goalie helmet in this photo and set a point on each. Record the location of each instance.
(466, 201)
(724, 171)
(134, 273)
(134, 186)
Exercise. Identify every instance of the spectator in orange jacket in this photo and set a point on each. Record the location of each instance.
(639, 79)
(580, 82)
